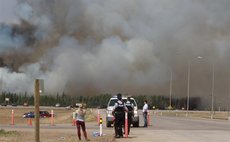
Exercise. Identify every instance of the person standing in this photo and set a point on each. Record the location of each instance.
(119, 115)
(130, 108)
(145, 113)
(80, 122)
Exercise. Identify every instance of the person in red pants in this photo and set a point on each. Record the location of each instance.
(80, 122)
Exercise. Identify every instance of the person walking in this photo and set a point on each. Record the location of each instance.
(145, 113)
(130, 108)
(80, 122)
(119, 115)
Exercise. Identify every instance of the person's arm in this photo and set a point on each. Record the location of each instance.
(84, 111)
(114, 107)
(125, 108)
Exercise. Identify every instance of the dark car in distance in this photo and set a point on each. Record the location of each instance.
(43, 114)
(3, 104)
(28, 115)
(14, 104)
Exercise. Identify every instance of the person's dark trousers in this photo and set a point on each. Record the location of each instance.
(145, 119)
(81, 125)
(119, 120)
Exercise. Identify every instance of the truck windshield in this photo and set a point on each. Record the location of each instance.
(113, 101)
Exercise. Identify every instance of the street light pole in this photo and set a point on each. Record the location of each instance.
(212, 97)
(170, 91)
(188, 91)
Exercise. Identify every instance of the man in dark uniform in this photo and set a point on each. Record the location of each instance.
(130, 108)
(119, 114)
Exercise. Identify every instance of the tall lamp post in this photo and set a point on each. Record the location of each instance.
(188, 85)
(212, 96)
(170, 90)
(188, 91)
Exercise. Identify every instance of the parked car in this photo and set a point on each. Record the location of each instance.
(45, 114)
(14, 104)
(69, 107)
(57, 105)
(31, 114)
(109, 116)
(3, 104)
(28, 115)
(25, 104)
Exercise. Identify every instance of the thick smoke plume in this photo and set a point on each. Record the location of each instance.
(87, 47)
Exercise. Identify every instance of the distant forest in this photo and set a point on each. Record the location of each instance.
(99, 101)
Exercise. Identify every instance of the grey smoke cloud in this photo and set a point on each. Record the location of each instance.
(7, 12)
(90, 47)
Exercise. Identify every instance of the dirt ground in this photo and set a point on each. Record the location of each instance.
(51, 136)
(62, 117)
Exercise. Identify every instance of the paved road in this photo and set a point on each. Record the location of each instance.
(162, 129)
(180, 129)
(175, 129)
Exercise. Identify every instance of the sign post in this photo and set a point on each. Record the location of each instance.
(38, 89)
(7, 100)
(36, 105)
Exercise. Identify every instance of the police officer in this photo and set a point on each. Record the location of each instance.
(130, 108)
(119, 114)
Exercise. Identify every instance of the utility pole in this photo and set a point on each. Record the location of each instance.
(170, 91)
(188, 91)
(36, 105)
(213, 83)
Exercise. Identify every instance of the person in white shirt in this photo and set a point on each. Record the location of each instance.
(145, 113)
(80, 122)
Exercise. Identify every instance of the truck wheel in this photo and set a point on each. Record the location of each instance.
(136, 124)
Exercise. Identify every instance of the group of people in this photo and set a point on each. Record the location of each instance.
(119, 110)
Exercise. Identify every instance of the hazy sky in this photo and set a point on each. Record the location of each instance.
(109, 46)
(7, 11)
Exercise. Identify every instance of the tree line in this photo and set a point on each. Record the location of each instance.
(101, 101)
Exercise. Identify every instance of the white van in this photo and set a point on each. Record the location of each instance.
(109, 116)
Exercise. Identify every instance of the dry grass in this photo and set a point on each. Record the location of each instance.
(223, 115)
(62, 116)
(50, 136)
